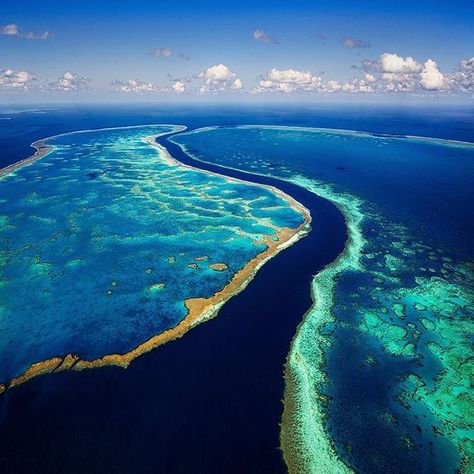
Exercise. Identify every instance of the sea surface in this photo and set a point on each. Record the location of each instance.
(392, 382)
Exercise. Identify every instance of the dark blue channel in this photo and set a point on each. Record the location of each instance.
(208, 403)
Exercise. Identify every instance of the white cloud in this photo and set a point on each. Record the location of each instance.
(289, 80)
(260, 35)
(14, 30)
(353, 86)
(17, 80)
(352, 43)
(133, 85)
(398, 74)
(370, 77)
(179, 87)
(401, 74)
(162, 52)
(394, 73)
(237, 84)
(70, 81)
(393, 82)
(348, 87)
(10, 30)
(394, 64)
(219, 78)
(216, 74)
(363, 86)
(333, 86)
(431, 78)
(462, 80)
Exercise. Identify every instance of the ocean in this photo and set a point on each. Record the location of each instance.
(383, 358)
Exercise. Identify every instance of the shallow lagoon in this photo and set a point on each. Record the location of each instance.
(103, 240)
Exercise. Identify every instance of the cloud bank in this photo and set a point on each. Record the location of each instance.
(390, 73)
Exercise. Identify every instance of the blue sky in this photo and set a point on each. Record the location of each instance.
(157, 50)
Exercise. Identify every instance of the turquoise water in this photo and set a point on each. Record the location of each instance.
(388, 361)
(103, 240)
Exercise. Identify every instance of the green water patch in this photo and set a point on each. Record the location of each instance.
(450, 397)
(417, 316)
(430, 321)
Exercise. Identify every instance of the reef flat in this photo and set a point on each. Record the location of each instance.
(386, 348)
(103, 254)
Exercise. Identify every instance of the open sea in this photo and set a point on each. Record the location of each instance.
(390, 359)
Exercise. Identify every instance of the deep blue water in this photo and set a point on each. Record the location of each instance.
(210, 402)
(17, 133)
(414, 196)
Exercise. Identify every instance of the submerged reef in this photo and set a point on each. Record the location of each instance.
(426, 319)
(304, 440)
(114, 248)
(387, 346)
(448, 329)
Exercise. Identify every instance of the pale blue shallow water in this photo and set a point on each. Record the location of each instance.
(97, 238)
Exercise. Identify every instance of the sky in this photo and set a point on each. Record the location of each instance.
(241, 50)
